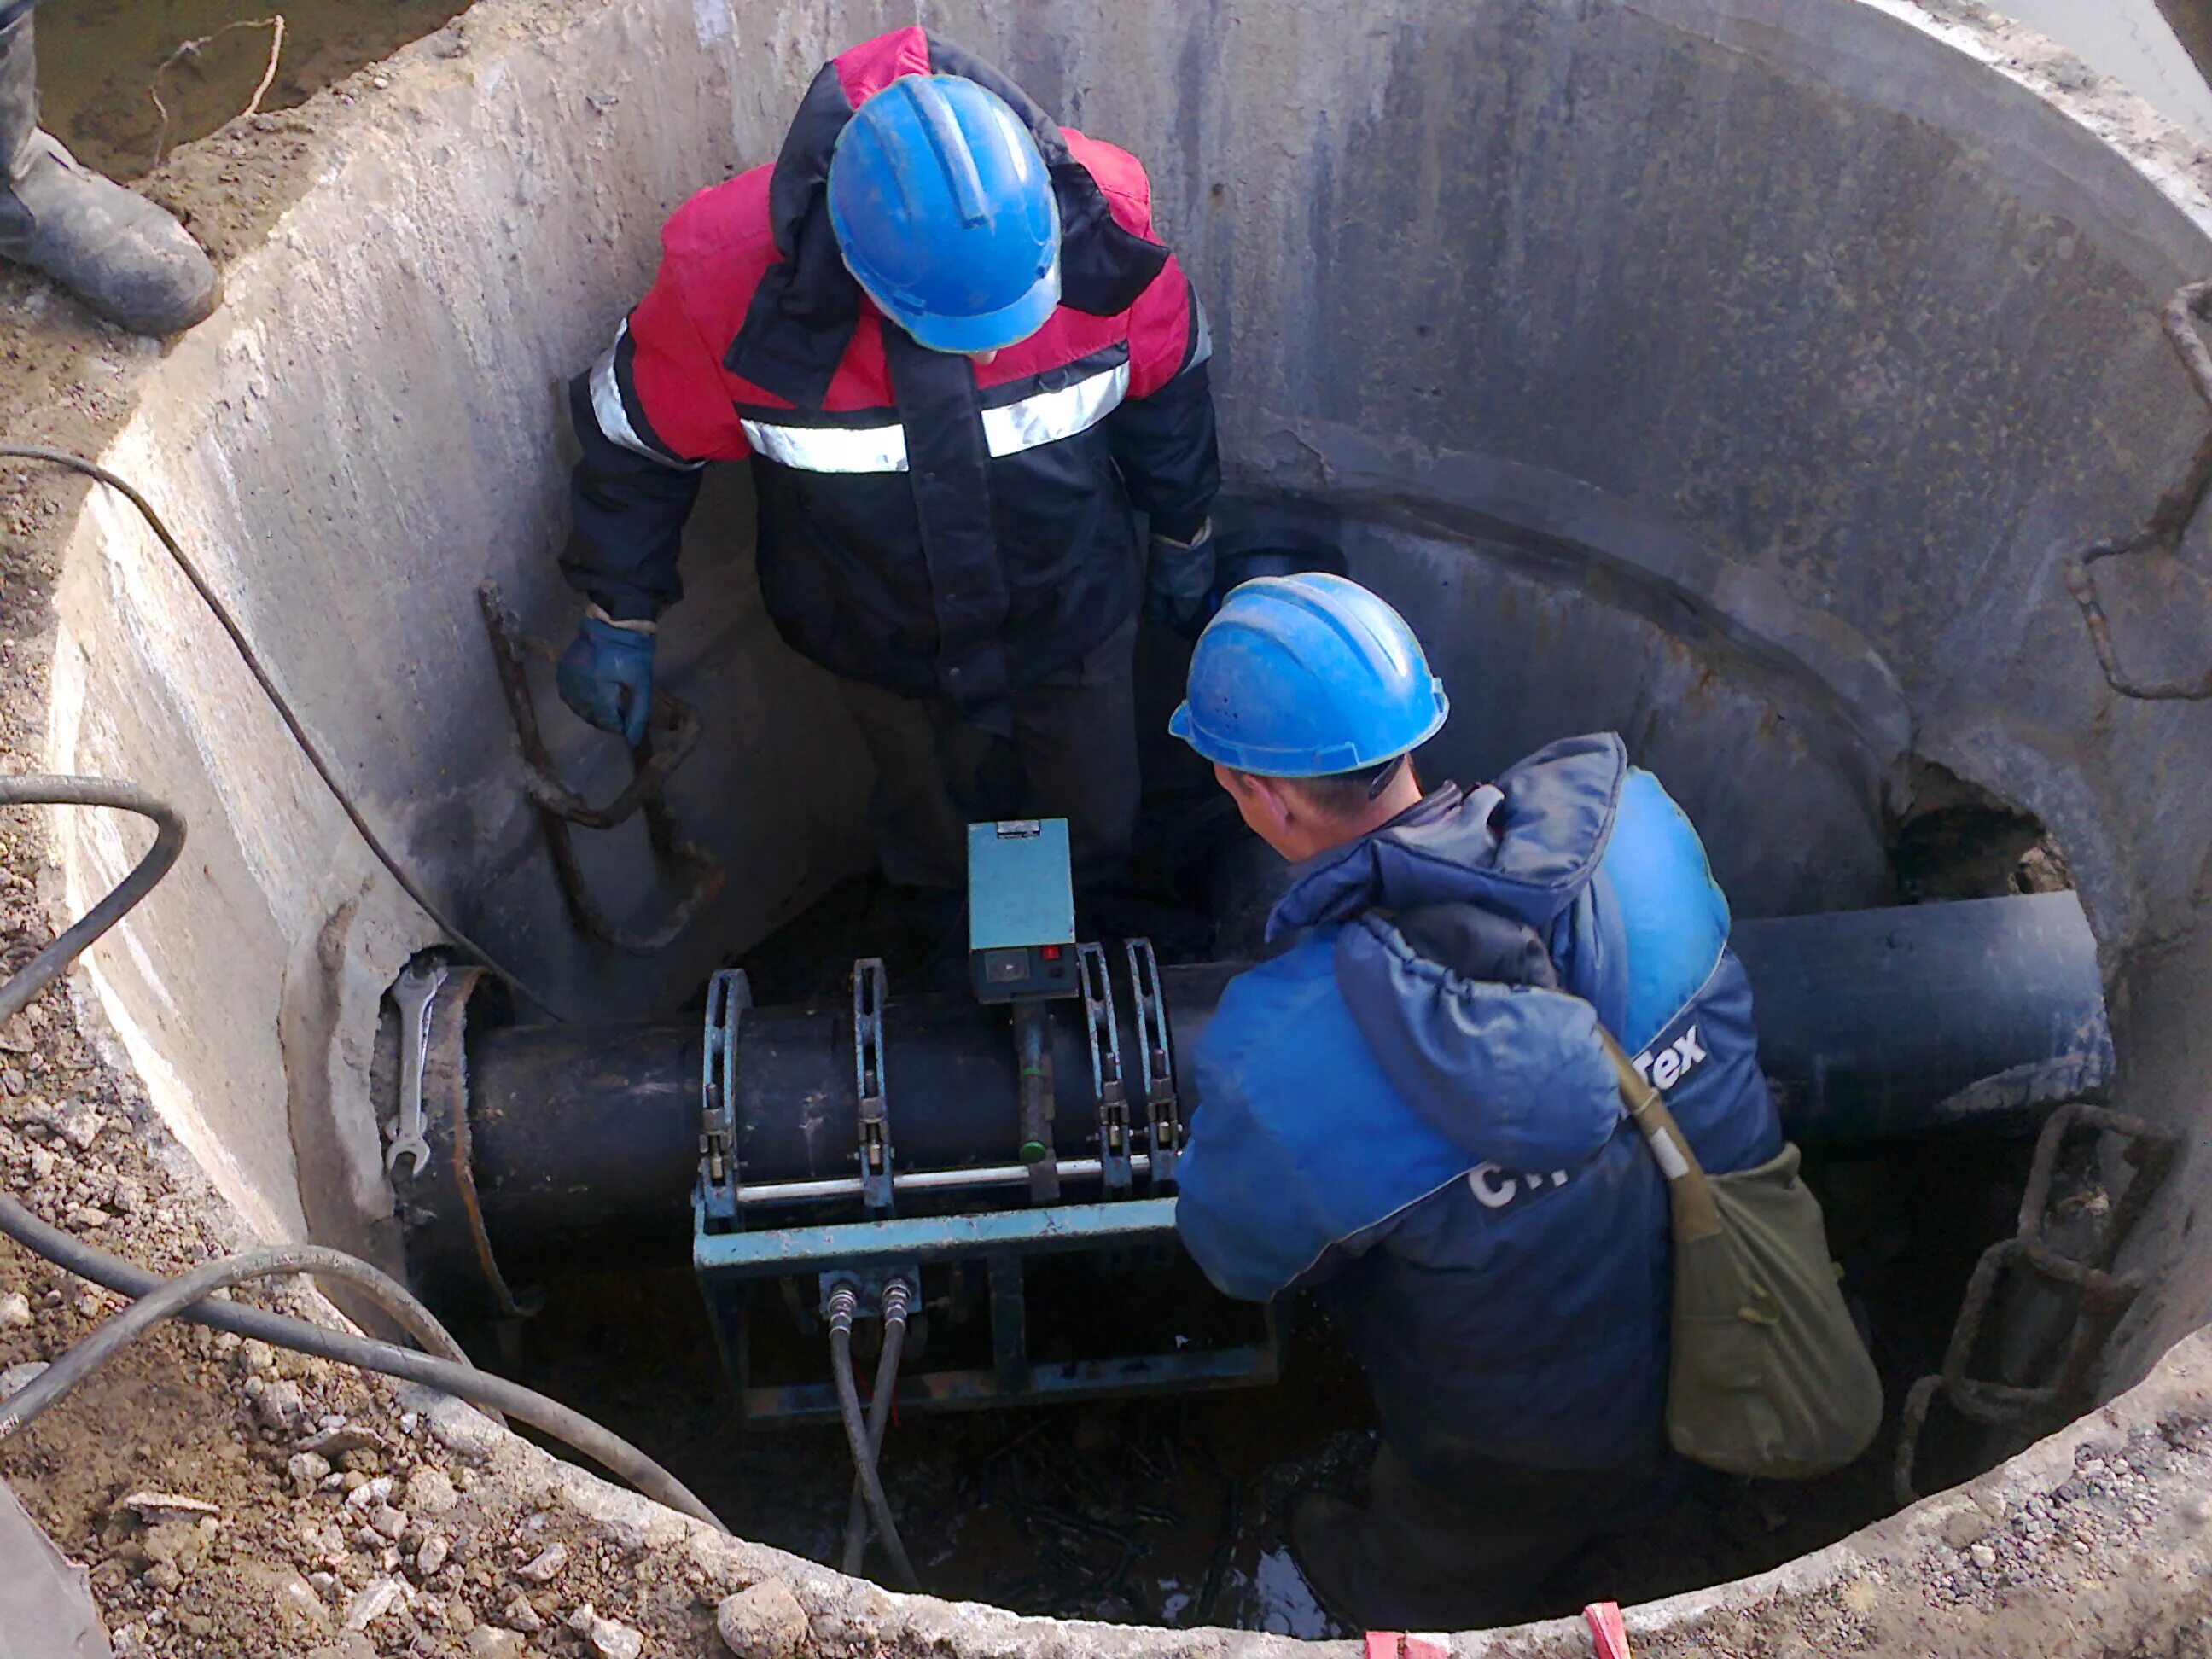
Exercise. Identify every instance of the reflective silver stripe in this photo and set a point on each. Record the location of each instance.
(607, 408)
(1051, 416)
(830, 449)
(1045, 418)
(1202, 328)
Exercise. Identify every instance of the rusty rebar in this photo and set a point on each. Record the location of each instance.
(670, 737)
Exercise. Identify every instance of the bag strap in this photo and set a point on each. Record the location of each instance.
(1689, 1193)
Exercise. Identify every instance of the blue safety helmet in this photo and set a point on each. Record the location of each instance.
(944, 213)
(1301, 677)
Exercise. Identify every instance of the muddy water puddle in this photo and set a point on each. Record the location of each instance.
(107, 68)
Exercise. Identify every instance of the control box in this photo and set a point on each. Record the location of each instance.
(1021, 910)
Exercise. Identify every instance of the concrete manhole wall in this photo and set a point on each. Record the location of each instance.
(1814, 338)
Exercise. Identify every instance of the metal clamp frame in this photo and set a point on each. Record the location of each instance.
(870, 995)
(2101, 1296)
(1156, 1052)
(721, 1186)
(1107, 1086)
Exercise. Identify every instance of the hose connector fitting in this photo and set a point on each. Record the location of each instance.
(843, 1303)
(898, 1299)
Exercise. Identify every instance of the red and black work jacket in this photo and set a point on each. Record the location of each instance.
(924, 524)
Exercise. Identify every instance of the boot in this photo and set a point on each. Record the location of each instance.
(122, 256)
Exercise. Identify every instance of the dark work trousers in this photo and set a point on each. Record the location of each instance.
(1468, 1547)
(1073, 756)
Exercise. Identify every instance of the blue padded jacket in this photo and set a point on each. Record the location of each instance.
(1410, 1107)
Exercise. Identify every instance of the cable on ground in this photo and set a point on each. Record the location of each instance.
(155, 1298)
(47, 966)
(141, 1315)
(603, 1447)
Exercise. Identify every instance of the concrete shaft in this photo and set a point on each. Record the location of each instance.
(1740, 373)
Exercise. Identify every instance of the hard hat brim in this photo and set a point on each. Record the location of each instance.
(1276, 764)
(990, 330)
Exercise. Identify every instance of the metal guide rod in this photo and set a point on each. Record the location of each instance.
(928, 1181)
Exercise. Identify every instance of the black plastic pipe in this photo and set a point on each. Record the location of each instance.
(1880, 1025)
(1980, 1015)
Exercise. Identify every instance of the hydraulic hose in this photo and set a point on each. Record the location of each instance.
(895, 1297)
(841, 1304)
(610, 1450)
(277, 701)
(47, 966)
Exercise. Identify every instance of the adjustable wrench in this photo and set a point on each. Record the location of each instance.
(414, 993)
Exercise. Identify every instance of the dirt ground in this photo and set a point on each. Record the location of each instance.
(125, 83)
(297, 1507)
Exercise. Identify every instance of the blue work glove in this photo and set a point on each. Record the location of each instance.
(1178, 577)
(606, 676)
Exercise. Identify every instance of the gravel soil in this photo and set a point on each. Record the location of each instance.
(233, 1499)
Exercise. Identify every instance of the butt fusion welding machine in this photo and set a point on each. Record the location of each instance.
(1085, 1292)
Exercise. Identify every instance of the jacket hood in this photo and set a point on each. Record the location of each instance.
(807, 305)
(1525, 847)
(1511, 1074)
(1444, 957)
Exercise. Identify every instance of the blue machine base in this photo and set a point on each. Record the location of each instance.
(727, 1265)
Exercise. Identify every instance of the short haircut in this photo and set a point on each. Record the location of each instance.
(1338, 795)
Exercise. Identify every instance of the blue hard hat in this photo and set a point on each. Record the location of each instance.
(1300, 676)
(944, 213)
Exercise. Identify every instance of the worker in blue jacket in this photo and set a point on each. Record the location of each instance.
(1409, 1108)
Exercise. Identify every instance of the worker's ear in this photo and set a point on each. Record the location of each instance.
(1266, 807)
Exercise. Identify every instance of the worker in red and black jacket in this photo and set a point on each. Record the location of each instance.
(943, 331)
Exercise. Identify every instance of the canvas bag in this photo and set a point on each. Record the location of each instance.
(1768, 1376)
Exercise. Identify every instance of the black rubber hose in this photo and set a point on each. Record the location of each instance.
(277, 701)
(610, 1450)
(47, 966)
(879, 1417)
(141, 1315)
(856, 1437)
